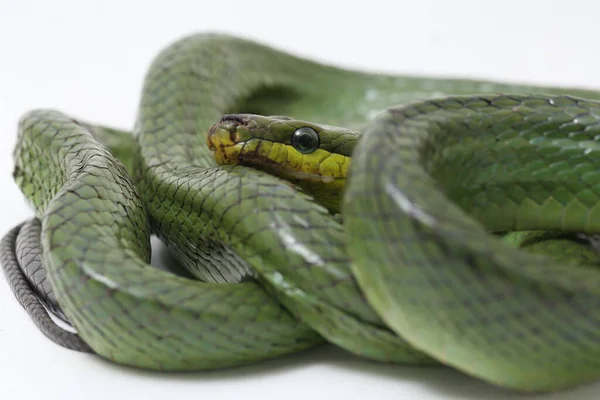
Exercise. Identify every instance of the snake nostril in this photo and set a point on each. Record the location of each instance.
(232, 118)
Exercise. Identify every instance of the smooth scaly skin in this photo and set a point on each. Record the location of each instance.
(95, 230)
(438, 279)
(168, 322)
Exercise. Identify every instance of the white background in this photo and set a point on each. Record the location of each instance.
(88, 58)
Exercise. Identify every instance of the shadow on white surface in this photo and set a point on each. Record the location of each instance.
(435, 382)
(438, 381)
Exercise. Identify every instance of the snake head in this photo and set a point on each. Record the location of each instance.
(313, 156)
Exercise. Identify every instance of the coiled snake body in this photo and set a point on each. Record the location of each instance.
(413, 275)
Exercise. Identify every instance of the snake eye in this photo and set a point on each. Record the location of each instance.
(305, 140)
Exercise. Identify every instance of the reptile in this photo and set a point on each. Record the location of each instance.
(308, 203)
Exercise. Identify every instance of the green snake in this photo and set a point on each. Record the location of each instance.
(411, 270)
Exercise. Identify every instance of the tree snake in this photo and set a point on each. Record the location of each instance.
(427, 175)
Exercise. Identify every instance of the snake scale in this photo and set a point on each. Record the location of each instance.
(413, 270)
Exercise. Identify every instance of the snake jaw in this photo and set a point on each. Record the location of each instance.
(229, 148)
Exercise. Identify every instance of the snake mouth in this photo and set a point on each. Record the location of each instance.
(248, 153)
(283, 170)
